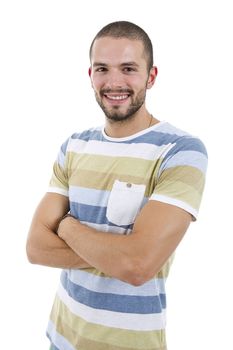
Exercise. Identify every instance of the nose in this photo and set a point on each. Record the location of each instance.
(115, 80)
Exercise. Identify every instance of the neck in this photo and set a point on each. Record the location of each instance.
(131, 126)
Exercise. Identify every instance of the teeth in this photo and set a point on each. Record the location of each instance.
(122, 97)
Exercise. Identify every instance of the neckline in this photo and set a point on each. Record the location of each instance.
(139, 133)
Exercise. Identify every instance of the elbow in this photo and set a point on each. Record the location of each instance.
(138, 274)
(31, 253)
(137, 281)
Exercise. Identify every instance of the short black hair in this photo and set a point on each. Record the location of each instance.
(129, 30)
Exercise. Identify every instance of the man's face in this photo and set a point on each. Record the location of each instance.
(119, 76)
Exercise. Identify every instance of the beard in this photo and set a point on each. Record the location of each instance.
(113, 113)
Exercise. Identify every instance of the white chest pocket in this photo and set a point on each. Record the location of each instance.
(124, 202)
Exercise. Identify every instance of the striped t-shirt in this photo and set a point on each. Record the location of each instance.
(108, 180)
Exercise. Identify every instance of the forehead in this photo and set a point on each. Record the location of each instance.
(110, 50)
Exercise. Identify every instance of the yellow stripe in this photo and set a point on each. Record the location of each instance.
(101, 181)
(185, 174)
(107, 164)
(102, 163)
(164, 272)
(86, 344)
(96, 272)
(56, 183)
(59, 178)
(182, 183)
(73, 327)
(180, 191)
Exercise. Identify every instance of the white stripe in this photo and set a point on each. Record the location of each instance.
(168, 128)
(76, 145)
(102, 284)
(137, 322)
(176, 202)
(89, 196)
(57, 339)
(188, 158)
(58, 190)
(61, 159)
(128, 138)
(107, 228)
(133, 150)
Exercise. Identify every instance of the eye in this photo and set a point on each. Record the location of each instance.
(101, 69)
(129, 69)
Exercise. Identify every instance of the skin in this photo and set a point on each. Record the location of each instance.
(118, 68)
(44, 247)
(120, 78)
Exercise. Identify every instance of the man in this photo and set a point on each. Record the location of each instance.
(131, 190)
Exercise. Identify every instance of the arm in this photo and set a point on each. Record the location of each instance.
(135, 258)
(44, 247)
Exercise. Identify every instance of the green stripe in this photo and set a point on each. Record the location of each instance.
(73, 327)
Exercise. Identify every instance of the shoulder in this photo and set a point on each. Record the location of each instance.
(186, 149)
(79, 138)
(88, 134)
(182, 140)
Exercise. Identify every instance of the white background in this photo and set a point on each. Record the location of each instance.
(46, 96)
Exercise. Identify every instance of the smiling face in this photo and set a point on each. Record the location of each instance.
(120, 77)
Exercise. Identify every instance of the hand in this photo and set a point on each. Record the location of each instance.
(64, 226)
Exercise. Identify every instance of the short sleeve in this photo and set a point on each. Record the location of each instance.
(59, 180)
(181, 178)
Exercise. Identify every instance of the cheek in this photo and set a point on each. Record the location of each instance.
(97, 83)
(136, 82)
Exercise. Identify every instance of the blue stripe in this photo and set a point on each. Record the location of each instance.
(185, 142)
(113, 302)
(92, 214)
(90, 134)
(152, 137)
(156, 138)
(103, 284)
(64, 146)
(187, 158)
(53, 347)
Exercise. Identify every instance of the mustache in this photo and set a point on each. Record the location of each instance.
(116, 91)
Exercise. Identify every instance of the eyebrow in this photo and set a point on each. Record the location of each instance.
(130, 64)
(98, 64)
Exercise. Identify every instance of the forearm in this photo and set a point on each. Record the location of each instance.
(110, 253)
(134, 258)
(50, 250)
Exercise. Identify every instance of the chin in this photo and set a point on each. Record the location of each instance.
(119, 117)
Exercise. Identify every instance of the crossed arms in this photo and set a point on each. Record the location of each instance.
(133, 258)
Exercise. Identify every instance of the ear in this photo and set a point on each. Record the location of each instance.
(152, 76)
(89, 73)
